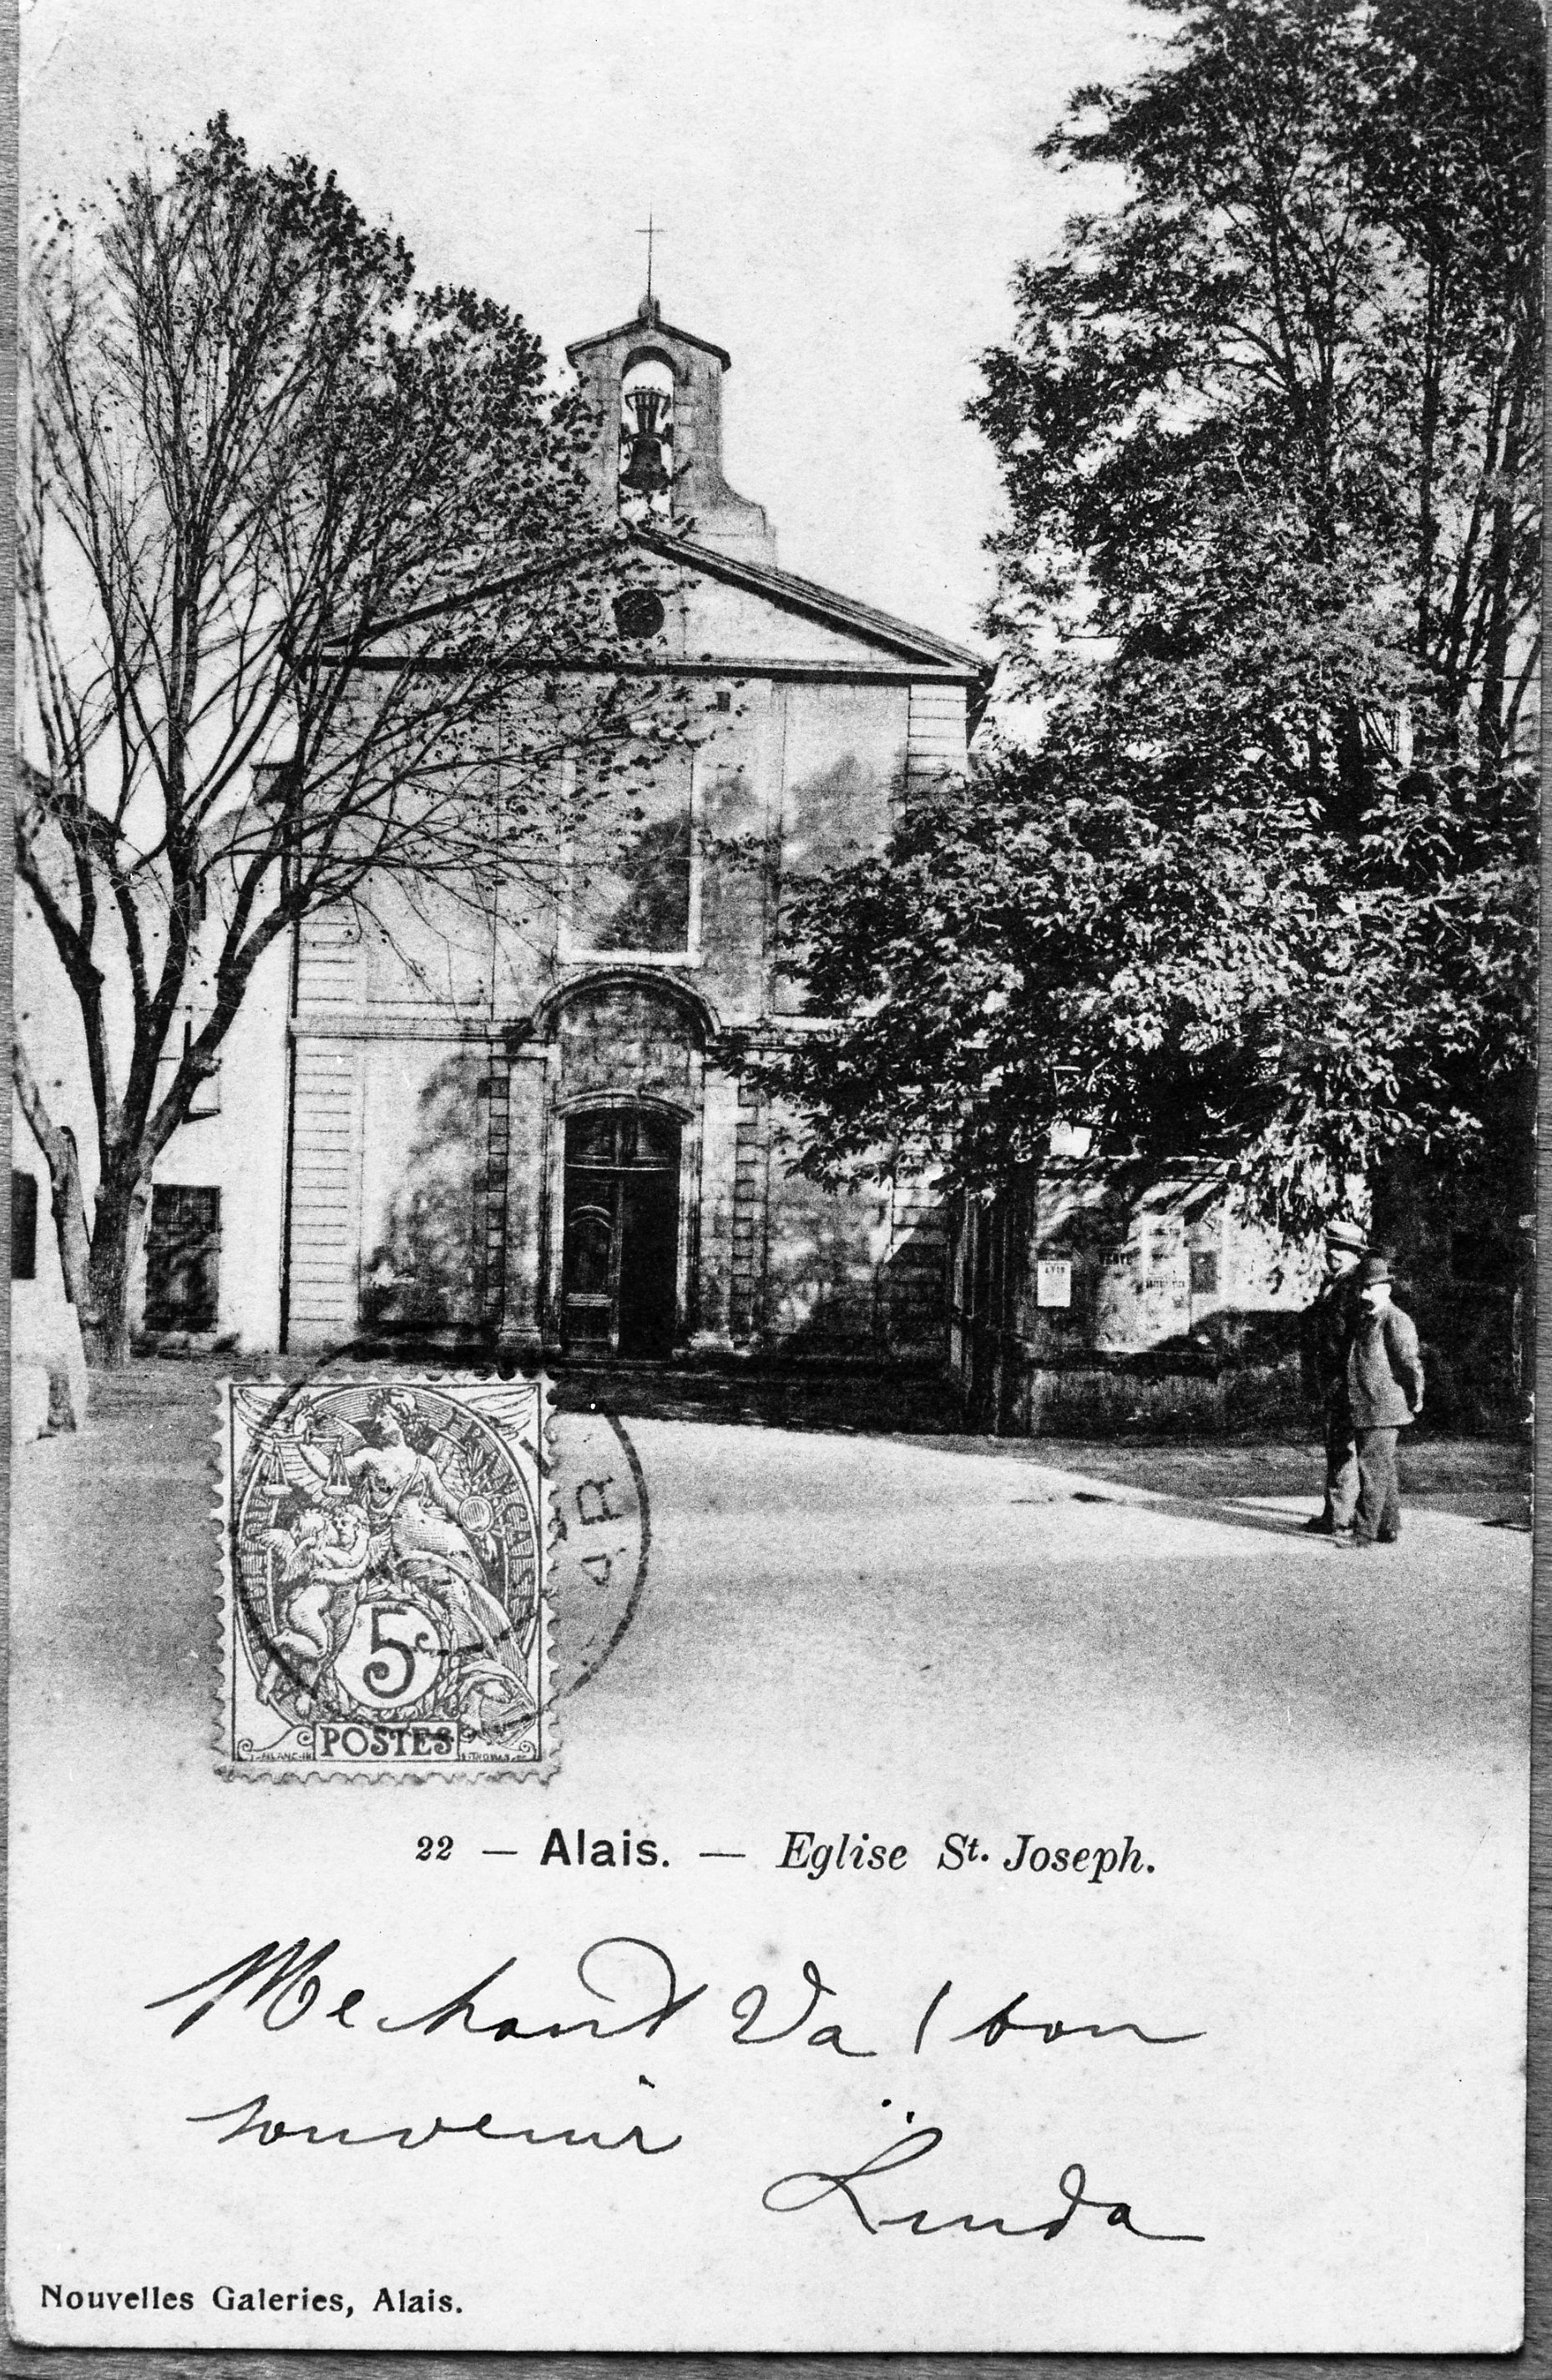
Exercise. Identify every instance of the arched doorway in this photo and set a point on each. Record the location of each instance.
(620, 1247)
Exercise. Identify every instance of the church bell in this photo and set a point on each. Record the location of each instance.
(645, 472)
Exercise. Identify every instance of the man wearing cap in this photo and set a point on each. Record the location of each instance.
(1385, 1395)
(1328, 1330)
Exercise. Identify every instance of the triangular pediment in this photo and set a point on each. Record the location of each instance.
(734, 612)
(770, 595)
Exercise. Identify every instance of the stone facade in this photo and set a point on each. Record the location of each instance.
(531, 1130)
(1080, 1305)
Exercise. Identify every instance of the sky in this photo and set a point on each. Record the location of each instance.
(845, 187)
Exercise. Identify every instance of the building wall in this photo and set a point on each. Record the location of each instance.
(234, 1141)
(1076, 1303)
(390, 1156)
(238, 1147)
(439, 1056)
(1154, 1270)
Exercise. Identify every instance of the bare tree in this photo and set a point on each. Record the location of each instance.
(304, 548)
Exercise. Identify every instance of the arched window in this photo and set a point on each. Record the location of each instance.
(647, 439)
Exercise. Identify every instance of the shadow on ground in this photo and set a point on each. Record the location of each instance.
(1477, 1478)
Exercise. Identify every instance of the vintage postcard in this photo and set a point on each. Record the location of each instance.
(777, 783)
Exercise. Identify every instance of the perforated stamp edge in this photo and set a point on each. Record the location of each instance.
(228, 1650)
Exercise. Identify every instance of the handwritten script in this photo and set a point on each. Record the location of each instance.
(635, 1990)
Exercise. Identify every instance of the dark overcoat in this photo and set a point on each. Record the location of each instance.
(1328, 1332)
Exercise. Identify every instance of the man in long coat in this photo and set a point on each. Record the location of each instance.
(1384, 1396)
(1328, 1326)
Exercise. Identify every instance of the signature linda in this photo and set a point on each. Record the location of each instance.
(797, 2194)
(794, 2194)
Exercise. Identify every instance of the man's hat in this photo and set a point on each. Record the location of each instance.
(1373, 1270)
(1344, 1235)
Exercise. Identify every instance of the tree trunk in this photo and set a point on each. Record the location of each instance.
(58, 1142)
(122, 1199)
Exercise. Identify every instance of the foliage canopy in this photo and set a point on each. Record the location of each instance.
(1269, 434)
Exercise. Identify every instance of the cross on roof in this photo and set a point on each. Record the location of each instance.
(649, 231)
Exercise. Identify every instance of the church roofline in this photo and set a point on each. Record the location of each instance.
(649, 326)
(818, 603)
(806, 597)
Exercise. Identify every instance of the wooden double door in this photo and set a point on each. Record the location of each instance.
(620, 1259)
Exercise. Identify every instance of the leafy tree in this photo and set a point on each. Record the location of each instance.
(1269, 437)
(290, 529)
(1217, 983)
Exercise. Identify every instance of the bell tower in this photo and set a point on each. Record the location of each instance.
(658, 392)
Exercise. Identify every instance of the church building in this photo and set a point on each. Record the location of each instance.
(530, 1130)
(524, 1123)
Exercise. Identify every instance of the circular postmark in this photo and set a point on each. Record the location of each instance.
(603, 1535)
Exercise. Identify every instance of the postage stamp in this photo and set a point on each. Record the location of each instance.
(385, 1578)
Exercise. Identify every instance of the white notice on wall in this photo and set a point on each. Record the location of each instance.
(1053, 1283)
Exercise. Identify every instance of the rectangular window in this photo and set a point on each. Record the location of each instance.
(183, 1258)
(1203, 1273)
(631, 877)
(24, 1226)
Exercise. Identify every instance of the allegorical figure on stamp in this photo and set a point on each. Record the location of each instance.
(1327, 1333)
(417, 1526)
(371, 1517)
(319, 1565)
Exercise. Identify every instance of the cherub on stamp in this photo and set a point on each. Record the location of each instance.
(386, 1579)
